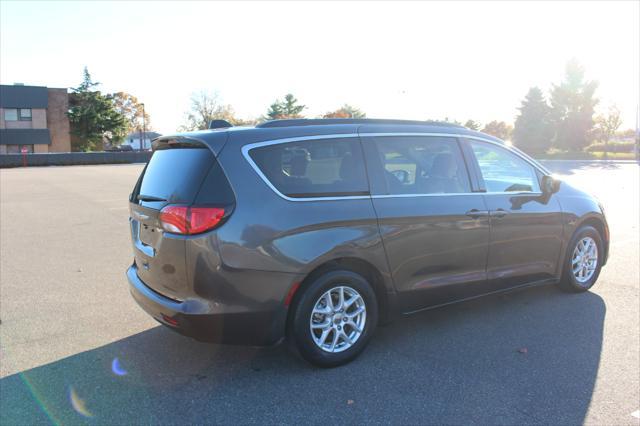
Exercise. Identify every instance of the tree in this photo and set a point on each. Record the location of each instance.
(132, 109)
(607, 125)
(573, 103)
(499, 129)
(345, 111)
(287, 108)
(532, 131)
(206, 106)
(92, 116)
(444, 120)
(473, 125)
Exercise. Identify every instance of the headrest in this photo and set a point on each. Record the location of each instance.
(444, 166)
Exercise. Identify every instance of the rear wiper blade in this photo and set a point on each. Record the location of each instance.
(142, 197)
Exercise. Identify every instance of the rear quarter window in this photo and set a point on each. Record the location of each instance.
(316, 168)
(215, 189)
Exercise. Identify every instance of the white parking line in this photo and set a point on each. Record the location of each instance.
(636, 414)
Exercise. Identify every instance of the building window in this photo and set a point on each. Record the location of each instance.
(17, 149)
(25, 114)
(11, 114)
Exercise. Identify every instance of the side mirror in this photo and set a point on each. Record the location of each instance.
(549, 184)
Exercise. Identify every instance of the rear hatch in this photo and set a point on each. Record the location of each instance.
(174, 180)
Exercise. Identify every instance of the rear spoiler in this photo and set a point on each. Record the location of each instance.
(215, 141)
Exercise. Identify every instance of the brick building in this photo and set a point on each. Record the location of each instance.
(33, 118)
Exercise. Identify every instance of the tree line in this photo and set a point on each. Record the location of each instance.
(564, 120)
(206, 106)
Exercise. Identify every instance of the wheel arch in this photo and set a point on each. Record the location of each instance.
(360, 266)
(600, 225)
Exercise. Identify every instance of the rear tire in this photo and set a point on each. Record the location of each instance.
(583, 260)
(333, 319)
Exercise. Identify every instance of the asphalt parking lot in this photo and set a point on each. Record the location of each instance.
(75, 348)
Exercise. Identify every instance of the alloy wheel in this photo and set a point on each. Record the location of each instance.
(584, 260)
(338, 319)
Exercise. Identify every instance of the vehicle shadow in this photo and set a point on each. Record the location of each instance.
(520, 358)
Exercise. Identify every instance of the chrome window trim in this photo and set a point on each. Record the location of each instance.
(254, 166)
(453, 194)
(513, 150)
(248, 147)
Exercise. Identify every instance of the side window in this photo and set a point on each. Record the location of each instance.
(422, 165)
(315, 168)
(503, 171)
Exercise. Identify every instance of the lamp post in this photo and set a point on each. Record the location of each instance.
(144, 123)
(637, 135)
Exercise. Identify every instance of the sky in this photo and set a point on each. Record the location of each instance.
(413, 60)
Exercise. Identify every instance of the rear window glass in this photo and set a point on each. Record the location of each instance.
(316, 168)
(215, 188)
(175, 175)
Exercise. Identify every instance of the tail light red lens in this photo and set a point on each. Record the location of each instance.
(190, 220)
(174, 219)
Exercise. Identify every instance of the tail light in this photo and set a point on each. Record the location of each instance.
(190, 220)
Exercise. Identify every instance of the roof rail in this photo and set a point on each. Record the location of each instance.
(331, 121)
(219, 124)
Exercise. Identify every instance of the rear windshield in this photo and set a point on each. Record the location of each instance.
(174, 176)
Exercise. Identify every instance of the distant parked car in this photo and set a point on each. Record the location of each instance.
(318, 230)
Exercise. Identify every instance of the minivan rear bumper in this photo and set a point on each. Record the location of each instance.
(206, 320)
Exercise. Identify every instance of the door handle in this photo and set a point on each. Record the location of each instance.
(476, 214)
(499, 213)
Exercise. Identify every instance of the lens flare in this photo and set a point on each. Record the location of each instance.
(117, 368)
(78, 404)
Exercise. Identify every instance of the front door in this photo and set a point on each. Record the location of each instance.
(435, 230)
(526, 224)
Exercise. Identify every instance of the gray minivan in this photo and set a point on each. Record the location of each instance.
(319, 230)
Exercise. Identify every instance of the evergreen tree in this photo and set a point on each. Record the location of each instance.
(92, 116)
(472, 125)
(573, 103)
(287, 108)
(533, 132)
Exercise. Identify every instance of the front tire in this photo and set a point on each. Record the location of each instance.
(334, 318)
(583, 260)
